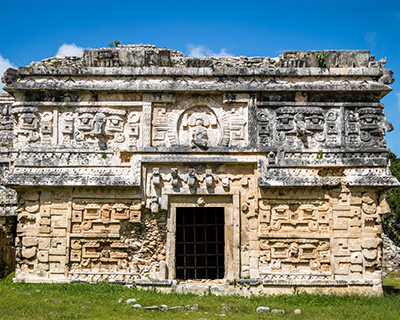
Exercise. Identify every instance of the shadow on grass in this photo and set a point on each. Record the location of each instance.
(390, 290)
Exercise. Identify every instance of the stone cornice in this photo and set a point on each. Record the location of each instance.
(199, 72)
(199, 84)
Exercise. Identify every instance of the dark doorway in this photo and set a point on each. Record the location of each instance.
(200, 243)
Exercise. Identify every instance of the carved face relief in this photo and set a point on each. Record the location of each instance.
(303, 126)
(29, 121)
(114, 124)
(86, 122)
(199, 127)
(99, 125)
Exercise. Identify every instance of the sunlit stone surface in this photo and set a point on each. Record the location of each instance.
(103, 151)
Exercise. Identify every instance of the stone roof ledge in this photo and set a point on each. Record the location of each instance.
(152, 56)
(148, 60)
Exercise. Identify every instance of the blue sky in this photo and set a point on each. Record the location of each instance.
(35, 30)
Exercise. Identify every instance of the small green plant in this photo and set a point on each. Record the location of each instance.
(104, 156)
(321, 61)
(114, 44)
(322, 173)
(34, 177)
(320, 154)
(296, 290)
(56, 64)
(246, 277)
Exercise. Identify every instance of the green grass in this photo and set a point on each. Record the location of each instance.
(35, 301)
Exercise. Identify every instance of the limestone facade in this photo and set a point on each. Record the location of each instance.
(107, 150)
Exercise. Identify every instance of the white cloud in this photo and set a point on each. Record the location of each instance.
(398, 100)
(4, 65)
(278, 52)
(70, 50)
(370, 38)
(202, 51)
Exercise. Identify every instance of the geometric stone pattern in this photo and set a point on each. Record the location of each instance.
(102, 149)
(321, 236)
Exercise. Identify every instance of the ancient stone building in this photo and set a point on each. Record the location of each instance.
(237, 175)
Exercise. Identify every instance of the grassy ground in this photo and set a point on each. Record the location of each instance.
(83, 301)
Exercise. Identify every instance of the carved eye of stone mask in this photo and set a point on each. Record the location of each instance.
(28, 118)
(285, 120)
(315, 119)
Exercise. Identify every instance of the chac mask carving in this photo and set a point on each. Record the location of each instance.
(104, 127)
(315, 127)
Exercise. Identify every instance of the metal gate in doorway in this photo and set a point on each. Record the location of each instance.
(200, 243)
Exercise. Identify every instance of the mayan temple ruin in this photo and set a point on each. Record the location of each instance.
(243, 175)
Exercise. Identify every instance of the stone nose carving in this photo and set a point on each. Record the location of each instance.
(175, 177)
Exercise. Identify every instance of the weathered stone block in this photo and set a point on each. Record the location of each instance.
(59, 222)
(45, 210)
(43, 256)
(218, 290)
(356, 258)
(45, 229)
(43, 266)
(28, 253)
(44, 243)
(135, 216)
(254, 245)
(57, 264)
(45, 197)
(45, 221)
(355, 244)
(370, 254)
(253, 263)
(59, 232)
(76, 255)
(29, 242)
(369, 243)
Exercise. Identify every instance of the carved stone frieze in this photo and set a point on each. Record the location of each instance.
(107, 152)
(98, 219)
(200, 123)
(295, 256)
(99, 128)
(315, 127)
(286, 217)
(207, 179)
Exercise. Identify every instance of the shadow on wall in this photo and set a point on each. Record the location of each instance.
(7, 249)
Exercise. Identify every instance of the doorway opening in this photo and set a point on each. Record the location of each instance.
(200, 243)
